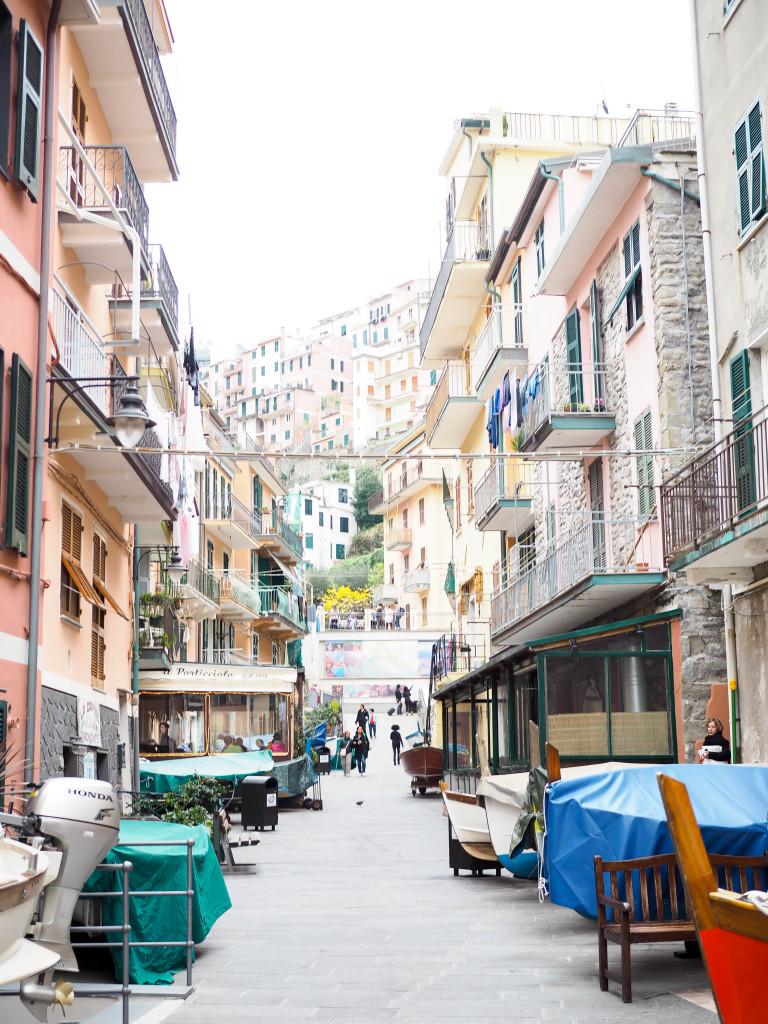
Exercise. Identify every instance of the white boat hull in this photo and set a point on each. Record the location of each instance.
(21, 882)
(468, 818)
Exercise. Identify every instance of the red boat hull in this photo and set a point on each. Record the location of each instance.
(423, 763)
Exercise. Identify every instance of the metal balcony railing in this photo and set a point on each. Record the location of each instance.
(662, 129)
(395, 484)
(503, 329)
(279, 526)
(717, 489)
(468, 242)
(602, 544)
(282, 602)
(161, 283)
(237, 588)
(505, 479)
(578, 128)
(399, 538)
(81, 349)
(143, 32)
(112, 166)
(561, 388)
(201, 580)
(227, 506)
(452, 383)
(456, 653)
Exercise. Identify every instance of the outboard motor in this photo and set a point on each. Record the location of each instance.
(80, 818)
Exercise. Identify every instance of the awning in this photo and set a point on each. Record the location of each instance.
(627, 285)
(287, 571)
(80, 581)
(107, 597)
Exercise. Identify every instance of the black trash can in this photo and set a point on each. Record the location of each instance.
(259, 802)
(324, 761)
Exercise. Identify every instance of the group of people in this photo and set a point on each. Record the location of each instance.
(354, 750)
(404, 697)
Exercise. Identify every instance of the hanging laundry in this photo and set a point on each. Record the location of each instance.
(191, 367)
(519, 403)
(535, 385)
(506, 394)
(489, 421)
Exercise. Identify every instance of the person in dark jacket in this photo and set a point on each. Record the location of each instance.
(715, 746)
(362, 718)
(361, 747)
(399, 699)
(407, 699)
(397, 743)
(345, 752)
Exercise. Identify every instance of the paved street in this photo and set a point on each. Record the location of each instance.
(351, 914)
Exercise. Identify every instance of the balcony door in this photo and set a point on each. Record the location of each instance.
(76, 165)
(597, 510)
(743, 446)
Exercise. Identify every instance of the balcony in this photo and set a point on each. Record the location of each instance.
(239, 600)
(384, 593)
(504, 497)
(227, 518)
(279, 613)
(563, 407)
(88, 226)
(416, 581)
(714, 510)
(457, 293)
(159, 299)
(452, 410)
(398, 540)
(281, 538)
(399, 485)
(123, 64)
(498, 349)
(200, 590)
(601, 564)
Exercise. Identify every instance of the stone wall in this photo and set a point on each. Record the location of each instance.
(58, 724)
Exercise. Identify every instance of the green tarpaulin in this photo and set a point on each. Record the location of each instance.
(158, 918)
(295, 776)
(166, 776)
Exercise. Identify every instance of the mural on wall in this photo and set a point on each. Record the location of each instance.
(353, 659)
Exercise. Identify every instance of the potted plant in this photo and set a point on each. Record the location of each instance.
(599, 405)
(567, 407)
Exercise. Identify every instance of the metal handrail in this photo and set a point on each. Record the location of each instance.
(468, 241)
(143, 33)
(579, 390)
(511, 479)
(502, 329)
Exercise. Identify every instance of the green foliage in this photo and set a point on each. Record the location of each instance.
(194, 804)
(367, 541)
(367, 482)
(330, 713)
(354, 572)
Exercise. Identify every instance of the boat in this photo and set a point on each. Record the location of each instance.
(424, 764)
(24, 871)
(619, 815)
(501, 797)
(733, 933)
(470, 825)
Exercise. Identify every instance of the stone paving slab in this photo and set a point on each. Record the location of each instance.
(351, 915)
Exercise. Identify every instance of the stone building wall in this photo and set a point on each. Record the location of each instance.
(58, 724)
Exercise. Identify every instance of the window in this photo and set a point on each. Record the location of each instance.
(538, 242)
(263, 371)
(287, 435)
(19, 455)
(573, 359)
(406, 563)
(343, 330)
(387, 391)
(341, 385)
(343, 524)
(338, 421)
(646, 499)
(6, 45)
(346, 439)
(320, 518)
(340, 552)
(333, 364)
(433, 377)
(276, 367)
(239, 378)
(365, 337)
(405, 518)
(341, 366)
(517, 299)
(98, 631)
(633, 284)
(421, 512)
(750, 168)
(386, 334)
(309, 541)
(334, 385)
(29, 102)
(391, 573)
(307, 506)
(309, 360)
(375, 337)
(277, 346)
(414, 383)
(74, 583)
(343, 496)
(263, 350)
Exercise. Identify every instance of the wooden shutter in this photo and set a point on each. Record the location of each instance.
(645, 476)
(98, 644)
(19, 456)
(594, 330)
(757, 172)
(741, 398)
(597, 507)
(3, 719)
(29, 105)
(743, 448)
(573, 357)
(71, 533)
(99, 559)
(517, 298)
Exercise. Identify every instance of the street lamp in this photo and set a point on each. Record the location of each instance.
(129, 420)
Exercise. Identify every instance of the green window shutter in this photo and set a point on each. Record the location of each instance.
(742, 171)
(19, 456)
(573, 357)
(594, 330)
(757, 170)
(741, 398)
(29, 105)
(645, 476)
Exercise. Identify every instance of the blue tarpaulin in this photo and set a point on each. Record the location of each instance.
(619, 815)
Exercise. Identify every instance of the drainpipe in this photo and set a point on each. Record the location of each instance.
(38, 456)
(489, 165)
(731, 665)
(683, 193)
(469, 137)
(669, 183)
(555, 177)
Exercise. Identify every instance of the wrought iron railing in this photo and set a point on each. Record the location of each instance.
(717, 489)
(283, 602)
(503, 329)
(81, 349)
(507, 479)
(237, 588)
(453, 383)
(161, 283)
(668, 129)
(579, 390)
(143, 32)
(111, 166)
(285, 531)
(398, 483)
(201, 580)
(225, 506)
(468, 242)
(602, 544)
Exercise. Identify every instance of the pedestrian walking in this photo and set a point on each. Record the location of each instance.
(371, 725)
(361, 746)
(361, 718)
(399, 699)
(397, 742)
(389, 617)
(407, 699)
(379, 616)
(334, 617)
(346, 752)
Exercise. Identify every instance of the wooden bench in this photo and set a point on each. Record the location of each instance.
(643, 900)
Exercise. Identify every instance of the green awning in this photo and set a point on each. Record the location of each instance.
(627, 285)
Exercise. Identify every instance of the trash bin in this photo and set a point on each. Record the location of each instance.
(259, 802)
(324, 761)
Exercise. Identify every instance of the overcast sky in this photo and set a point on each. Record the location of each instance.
(310, 135)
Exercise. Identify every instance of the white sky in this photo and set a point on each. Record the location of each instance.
(310, 135)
